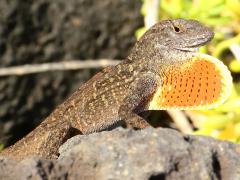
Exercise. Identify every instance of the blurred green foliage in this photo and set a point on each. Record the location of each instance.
(1, 147)
(224, 18)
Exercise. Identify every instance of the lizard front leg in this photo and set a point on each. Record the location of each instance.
(140, 93)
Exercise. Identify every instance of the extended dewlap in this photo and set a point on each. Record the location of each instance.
(203, 83)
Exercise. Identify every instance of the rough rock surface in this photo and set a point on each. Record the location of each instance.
(128, 154)
(49, 31)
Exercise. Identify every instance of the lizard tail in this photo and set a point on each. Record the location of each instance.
(44, 141)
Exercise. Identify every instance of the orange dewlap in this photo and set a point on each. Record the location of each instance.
(202, 83)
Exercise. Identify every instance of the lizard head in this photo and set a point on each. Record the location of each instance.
(172, 38)
(184, 35)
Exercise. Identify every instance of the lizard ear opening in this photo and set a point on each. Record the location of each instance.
(176, 29)
(202, 83)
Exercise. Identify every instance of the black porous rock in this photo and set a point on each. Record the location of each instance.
(148, 154)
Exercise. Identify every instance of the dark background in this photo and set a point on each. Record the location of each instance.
(50, 31)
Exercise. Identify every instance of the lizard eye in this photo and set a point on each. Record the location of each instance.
(176, 29)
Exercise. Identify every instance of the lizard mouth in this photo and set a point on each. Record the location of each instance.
(189, 49)
(195, 45)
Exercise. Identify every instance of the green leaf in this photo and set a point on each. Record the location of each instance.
(216, 21)
(140, 32)
(1, 147)
(230, 106)
(235, 66)
(233, 6)
(172, 7)
(217, 121)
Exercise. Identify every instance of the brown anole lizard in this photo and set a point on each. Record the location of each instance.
(120, 93)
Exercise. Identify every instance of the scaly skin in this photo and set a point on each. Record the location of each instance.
(117, 94)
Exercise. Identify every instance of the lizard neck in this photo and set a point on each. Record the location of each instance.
(159, 55)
